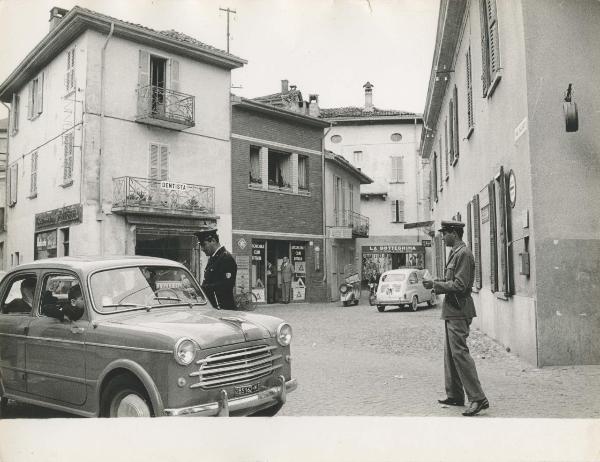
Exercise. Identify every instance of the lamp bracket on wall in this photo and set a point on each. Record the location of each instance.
(570, 110)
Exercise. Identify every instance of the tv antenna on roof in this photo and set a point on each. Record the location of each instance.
(228, 11)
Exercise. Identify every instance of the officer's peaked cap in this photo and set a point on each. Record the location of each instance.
(204, 234)
(451, 225)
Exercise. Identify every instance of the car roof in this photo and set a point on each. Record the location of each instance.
(87, 263)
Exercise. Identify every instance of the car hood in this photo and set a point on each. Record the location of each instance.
(208, 327)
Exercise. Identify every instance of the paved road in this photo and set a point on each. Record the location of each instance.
(356, 361)
(353, 361)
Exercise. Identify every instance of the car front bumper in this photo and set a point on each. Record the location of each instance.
(225, 406)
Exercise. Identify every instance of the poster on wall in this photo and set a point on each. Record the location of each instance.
(298, 293)
(299, 259)
(243, 271)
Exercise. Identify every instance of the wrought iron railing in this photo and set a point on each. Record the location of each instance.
(144, 193)
(359, 223)
(157, 102)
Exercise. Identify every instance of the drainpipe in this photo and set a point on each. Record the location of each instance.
(324, 201)
(8, 108)
(100, 213)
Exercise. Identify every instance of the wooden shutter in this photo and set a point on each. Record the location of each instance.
(493, 238)
(446, 153)
(439, 256)
(68, 157)
(70, 73)
(13, 181)
(164, 162)
(154, 173)
(401, 212)
(434, 177)
(494, 50)
(485, 60)
(394, 210)
(14, 114)
(30, 100)
(469, 227)
(174, 75)
(477, 240)
(456, 137)
(33, 184)
(504, 228)
(39, 97)
(469, 90)
(441, 169)
(144, 92)
(451, 142)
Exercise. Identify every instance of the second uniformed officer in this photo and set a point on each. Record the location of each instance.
(220, 271)
(458, 311)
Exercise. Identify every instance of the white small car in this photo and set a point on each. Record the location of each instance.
(403, 287)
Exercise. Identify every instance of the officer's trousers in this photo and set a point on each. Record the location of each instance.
(459, 367)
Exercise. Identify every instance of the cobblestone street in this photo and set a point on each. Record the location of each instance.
(356, 361)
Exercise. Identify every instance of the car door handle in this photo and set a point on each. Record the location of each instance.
(77, 329)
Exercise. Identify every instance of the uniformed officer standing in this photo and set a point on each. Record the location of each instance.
(220, 271)
(458, 310)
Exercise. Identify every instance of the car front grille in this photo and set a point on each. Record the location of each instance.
(235, 366)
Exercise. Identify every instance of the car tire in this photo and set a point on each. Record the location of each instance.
(345, 302)
(355, 302)
(414, 304)
(381, 308)
(268, 412)
(433, 300)
(125, 397)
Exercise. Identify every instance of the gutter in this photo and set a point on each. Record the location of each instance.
(100, 213)
(324, 201)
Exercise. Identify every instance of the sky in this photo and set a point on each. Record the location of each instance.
(328, 47)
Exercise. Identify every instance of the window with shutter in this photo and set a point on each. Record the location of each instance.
(14, 114)
(174, 83)
(493, 238)
(159, 162)
(446, 151)
(351, 197)
(455, 136)
(451, 132)
(30, 99)
(68, 158)
(477, 241)
(490, 47)
(441, 167)
(255, 173)
(503, 220)
(397, 211)
(434, 177)
(439, 256)
(13, 177)
(397, 169)
(469, 227)
(33, 183)
(39, 96)
(470, 120)
(70, 73)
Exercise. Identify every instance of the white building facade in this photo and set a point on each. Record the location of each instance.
(384, 145)
(119, 142)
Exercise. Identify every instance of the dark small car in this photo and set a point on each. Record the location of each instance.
(135, 336)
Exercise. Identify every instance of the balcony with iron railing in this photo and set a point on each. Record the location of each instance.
(165, 108)
(146, 196)
(359, 223)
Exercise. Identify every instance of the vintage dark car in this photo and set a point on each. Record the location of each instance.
(135, 336)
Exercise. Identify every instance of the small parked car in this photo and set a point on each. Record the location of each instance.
(135, 336)
(403, 287)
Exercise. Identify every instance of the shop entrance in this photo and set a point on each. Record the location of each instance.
(181, 248)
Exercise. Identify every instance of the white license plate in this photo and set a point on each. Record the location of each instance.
(245, 390)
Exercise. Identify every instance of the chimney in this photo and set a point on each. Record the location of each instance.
(284, 86)
(56, 15)
(368, 97)
(313, 108)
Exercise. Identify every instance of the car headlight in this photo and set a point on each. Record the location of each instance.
(185, 351)
(284, 334)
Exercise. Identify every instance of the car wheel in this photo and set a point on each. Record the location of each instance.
(356, 302)
(268, 412)
(125, 397)
(433, 299)
(414, 304)
(381, 308)
(345, 302)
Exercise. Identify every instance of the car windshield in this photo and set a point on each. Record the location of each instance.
(122, 289)
(393, 277)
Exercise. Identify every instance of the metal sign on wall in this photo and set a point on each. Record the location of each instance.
(340, 232)
(392, 248)
(59, 217)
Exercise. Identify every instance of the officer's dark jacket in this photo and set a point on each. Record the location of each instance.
(219, 279)
(460, 273)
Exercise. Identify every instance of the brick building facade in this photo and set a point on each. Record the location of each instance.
(277, 183)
